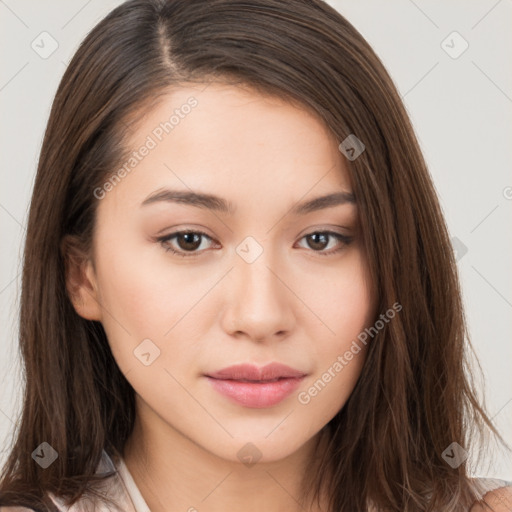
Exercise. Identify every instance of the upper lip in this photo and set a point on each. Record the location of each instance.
(251, 372)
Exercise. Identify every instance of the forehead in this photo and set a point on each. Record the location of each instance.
(235, 142)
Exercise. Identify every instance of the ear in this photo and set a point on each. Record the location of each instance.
(80, 278)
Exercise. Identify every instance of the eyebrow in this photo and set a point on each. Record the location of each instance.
(219, 204)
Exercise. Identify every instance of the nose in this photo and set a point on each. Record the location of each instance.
(259, 304)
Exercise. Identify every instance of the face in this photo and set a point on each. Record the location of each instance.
(252, 278)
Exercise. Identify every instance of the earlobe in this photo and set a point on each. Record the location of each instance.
(80, 280)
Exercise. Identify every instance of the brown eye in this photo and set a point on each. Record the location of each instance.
(188, 241)
(185, 242)
(319, 240)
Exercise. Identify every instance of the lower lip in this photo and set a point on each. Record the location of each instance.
(256, 394)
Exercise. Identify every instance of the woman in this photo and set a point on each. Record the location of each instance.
(238, 287)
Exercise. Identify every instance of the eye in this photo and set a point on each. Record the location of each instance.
(190, 241)
(319, 240)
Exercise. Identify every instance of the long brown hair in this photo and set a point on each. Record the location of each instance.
(415, 395)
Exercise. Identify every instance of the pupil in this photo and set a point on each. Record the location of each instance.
(189, 240)
(315, 236)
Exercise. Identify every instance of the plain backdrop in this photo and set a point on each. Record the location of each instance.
(451, 62)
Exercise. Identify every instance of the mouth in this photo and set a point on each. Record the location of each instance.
(250, 372)
(259, 381)
(254, 387)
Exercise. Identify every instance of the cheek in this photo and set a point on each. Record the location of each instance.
(143, 292)
(346, 306)
(137, 304)
(324, 395)
(146, 297)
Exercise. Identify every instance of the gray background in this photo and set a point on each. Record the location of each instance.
(460, 105)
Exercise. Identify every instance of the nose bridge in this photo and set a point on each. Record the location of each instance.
(255, 269)
(261, 303)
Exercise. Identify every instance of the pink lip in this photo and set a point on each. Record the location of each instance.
(256, 387)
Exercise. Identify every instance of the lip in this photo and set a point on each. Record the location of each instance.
(252, 372)
(255, 387)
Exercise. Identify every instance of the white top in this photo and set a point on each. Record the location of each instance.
(139, 504)
(124, 491)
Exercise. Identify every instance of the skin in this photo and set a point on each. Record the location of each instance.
(500, 500)
(214, 309)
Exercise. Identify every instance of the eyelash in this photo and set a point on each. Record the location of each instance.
(346, 240)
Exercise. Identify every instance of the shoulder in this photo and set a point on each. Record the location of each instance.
(499, 497)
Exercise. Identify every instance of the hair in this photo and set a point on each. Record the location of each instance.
(416, 393)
